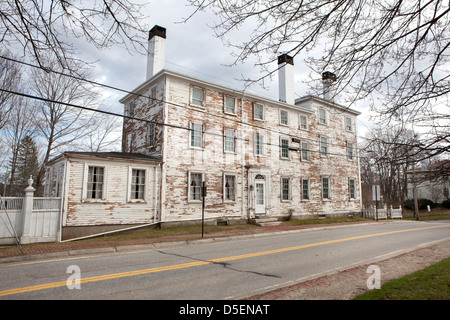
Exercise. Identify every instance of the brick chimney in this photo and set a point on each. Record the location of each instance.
(156, 50)
(328, 80)
(286, 79)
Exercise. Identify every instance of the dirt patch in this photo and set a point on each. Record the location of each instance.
(347, 284)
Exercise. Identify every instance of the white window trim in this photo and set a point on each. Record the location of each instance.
(307, 151)
(263, 144)
(281, 148)
(151, 143)
(189, 200)
(223, 187)
(234, 113)
(289, 191)
(352, 159)
(191, 102)
(327, 154)
(351, 123)
(130, 176)
(263, 111)
(225, 129)
(326, 116)
(85, 181)
(279, 117)
(300, 122)
(356, 191)
(191, 124)
(329, 188)
(301, 189)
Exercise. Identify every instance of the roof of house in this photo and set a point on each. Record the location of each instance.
(112, 154)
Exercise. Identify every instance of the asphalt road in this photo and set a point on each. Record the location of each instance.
(221, 270)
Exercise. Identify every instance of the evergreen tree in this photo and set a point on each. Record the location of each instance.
(27, 161)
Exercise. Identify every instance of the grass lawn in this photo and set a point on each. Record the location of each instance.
(432, 283)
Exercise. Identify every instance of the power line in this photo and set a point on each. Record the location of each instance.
(168, 102)
(156, 122)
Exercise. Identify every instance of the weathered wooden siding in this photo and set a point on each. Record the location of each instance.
(115, 207)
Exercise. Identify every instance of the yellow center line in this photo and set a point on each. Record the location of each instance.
(200, 263)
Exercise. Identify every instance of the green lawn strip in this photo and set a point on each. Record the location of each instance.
(431, 283)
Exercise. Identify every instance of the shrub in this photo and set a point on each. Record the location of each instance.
(446, 203)
(423, 203)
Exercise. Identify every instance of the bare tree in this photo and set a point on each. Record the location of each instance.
(398, 50)
(10, 78)
(41, 28)
(60, 125)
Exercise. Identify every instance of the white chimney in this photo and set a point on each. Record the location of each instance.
(286, 79)
(156, 50)
(328, 80)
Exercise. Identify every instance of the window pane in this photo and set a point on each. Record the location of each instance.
(229, 140)
(259, 111)
(195, 186)
(196, 135)
(285, 184)
(197, 96)
(230, 188)
(349, 151)
(323, 146)
(352, 189)
(95, 183)
(305, 189)
(284, 148)
(303, 122)
(322, 116)
(325, 188)
(259, 144)
(284, 117)
(229, 104)
(137, 184)
(304, 151)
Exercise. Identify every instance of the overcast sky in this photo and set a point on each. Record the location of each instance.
(192, 49)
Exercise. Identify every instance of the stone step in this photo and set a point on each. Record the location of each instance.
(263, 222)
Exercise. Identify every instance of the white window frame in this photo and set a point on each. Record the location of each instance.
(189, 193)
(151, 134)
(225, 106)
(302, 116)
(302, 180)
(350, 151)
(304, 150)
(288, 157)
(192, 132)
(193, 101)
(87, 165)
(130, 183)
(225, 200)
(254, 111)
(354, 189)
(321, 146)
(261, 142)
(322, 188)
(228, 138)
(281, 111)
(289, 191)
(323, 120)
(350, 119)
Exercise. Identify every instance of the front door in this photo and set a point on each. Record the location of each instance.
(260, 204)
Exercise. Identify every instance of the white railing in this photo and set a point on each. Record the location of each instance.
(11, 203)
(46, 204)
(382, 213)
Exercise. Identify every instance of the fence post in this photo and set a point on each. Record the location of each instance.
(27, 212)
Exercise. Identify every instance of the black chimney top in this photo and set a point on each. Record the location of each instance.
(157, 31)
(327, 75)
(285, 58)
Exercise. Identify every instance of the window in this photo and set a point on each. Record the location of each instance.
(151, 134)
(305, 151)
(303, 122)
(284, 151)
(229, 140)
(229, 188)
(196, 135)
(137, 184)
(323, 116)
(285, 189)
(131, 108)
(284, 117)
(352, 188)
(153, 96)
(95, 182)
(197, 96)
(230, 104)
(348, 124)
(350, 154)
(258, 112)
(259, 144)
(195, 186)
(323, 146)
(305, 189)
(326, 188)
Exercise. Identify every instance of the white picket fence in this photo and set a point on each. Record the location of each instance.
(36, 222)
(383, 213)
